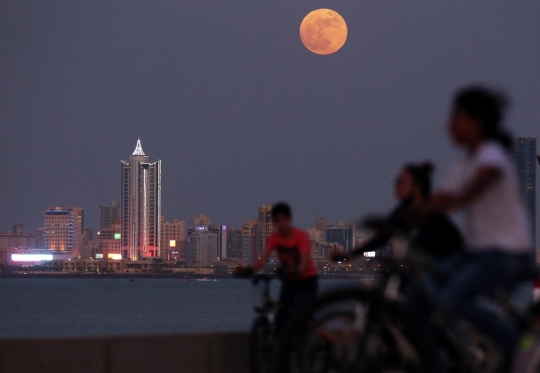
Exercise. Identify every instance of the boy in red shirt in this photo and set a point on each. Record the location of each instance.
(293, 249)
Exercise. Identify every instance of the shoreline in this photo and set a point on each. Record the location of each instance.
(153, 276)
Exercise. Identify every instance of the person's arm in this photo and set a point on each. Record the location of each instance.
(484, 178)
(374, 244)
(399, 218)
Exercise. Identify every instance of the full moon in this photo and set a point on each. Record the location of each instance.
(323, 31)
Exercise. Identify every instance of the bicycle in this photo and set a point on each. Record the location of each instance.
(374, 335)
(262, 337)
(330, 334)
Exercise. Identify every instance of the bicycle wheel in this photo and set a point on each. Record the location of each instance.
(330, 344)
(349, 330)
(334, 318)
(343, 342)
(261, 346)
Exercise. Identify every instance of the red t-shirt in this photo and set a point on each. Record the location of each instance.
(289, 249)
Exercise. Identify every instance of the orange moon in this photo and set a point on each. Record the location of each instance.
(323, 31)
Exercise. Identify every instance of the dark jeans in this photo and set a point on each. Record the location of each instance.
(472, 275)
(295, 296)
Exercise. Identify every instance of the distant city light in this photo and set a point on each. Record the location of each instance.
(172, 243)
(117, 236)
(31, 257)
(370, 254)
(115, 256)
(99, 256)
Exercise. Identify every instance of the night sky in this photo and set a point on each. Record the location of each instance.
(238, 110)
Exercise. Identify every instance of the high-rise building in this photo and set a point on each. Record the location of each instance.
(221, 231)
(201, 245)
(316, 235)
(206, 243)
(234, 243)
(249, 240)
(265, 227)
(109, 215)
(141, 206)
(320, 223)
(88, 234)
(343, 235)
(64, 229)
(525, 158)
(173, 239)
(40, 238)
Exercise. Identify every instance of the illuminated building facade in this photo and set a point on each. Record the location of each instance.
(202, 245)
(173, 239)
(110, 243)
(525, 158)
(141, 206)
(64, 229)
(206, 243)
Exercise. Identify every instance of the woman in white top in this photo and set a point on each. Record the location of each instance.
(483, 183)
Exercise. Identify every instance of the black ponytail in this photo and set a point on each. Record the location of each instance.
(488, 107)
(421, 174)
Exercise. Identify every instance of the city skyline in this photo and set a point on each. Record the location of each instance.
(241, 111)
(524, 154)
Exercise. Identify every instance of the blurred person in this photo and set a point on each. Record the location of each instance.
(437, 235)
(484, 185)
(298, 272)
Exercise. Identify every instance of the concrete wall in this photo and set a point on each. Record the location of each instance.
(197, 353)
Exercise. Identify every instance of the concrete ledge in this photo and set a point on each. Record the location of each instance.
(190, 353)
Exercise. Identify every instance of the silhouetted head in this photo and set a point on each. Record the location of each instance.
(414, 182)
(282, 217)
(477, 115)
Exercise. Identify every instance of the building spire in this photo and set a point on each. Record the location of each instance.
(138, 148)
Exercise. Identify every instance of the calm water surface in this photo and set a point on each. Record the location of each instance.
(90, 307)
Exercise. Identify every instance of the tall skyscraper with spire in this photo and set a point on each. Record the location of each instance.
(525, 157)
(141, 206)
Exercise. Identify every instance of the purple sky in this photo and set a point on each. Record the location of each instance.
(240, 113)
